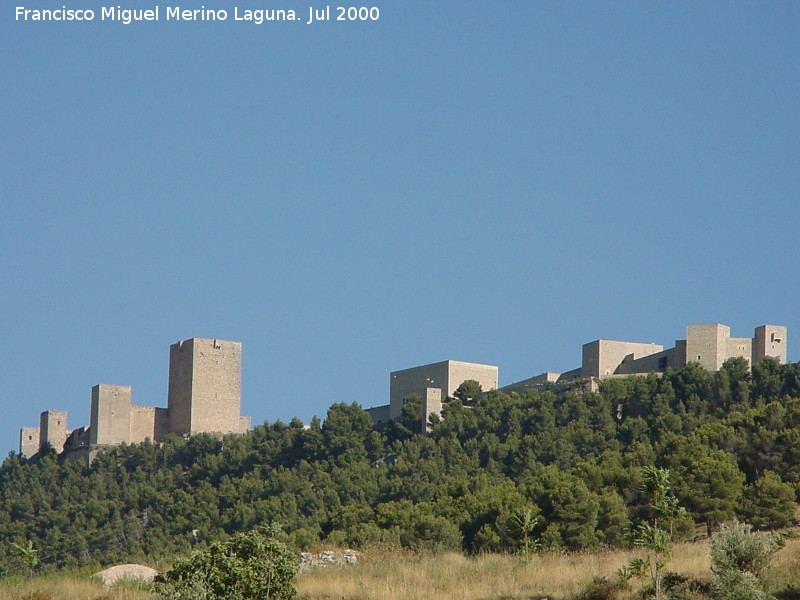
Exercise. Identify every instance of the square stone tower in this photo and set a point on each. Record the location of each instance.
(205, 387)
(28, 441)
(53, 429)
(769, 340)
(707, 344)
(111, 414)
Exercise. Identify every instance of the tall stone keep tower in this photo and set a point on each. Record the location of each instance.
(205, 387)
(111, 414)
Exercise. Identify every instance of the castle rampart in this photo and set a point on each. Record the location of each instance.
(148, 422)
(204, 393)
(204, 397)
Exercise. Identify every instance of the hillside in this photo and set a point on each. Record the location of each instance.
(731, 441)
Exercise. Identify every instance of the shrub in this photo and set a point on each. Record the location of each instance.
(738, 549)
(790, 593)
(738, 558)
(602, 589)
(247, 566)
(738, 585)
(678, 587)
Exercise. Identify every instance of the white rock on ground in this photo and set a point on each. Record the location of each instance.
(111, 575)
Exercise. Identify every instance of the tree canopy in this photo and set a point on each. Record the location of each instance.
(571, 461)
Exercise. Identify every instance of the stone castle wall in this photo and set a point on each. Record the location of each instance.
(709, 344)
(205, 385)
(414, 381)
(148, 422)
(431, 405)
(458, 372)
(769, 340)
(204, 396)
(216, 386)
(28, 441)
(379, 414)
(179, 394)
(445, 376)
(111, 415)
(53, 429)
(602, 357)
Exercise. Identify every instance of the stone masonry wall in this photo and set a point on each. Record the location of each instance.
(705, 344)
(446, 376)
(179, 394)
(205, 387)
(53, 429)
(28, 441)
(111, 414)
(204, 396)
(408, 382)
(431, 404)
(601, 358)
(217, 387)
(458, 372)
(769, 340)
(148, 423)
(742, 347)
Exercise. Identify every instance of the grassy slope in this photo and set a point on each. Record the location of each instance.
(401, 575)
(404, 576)
(68, 587)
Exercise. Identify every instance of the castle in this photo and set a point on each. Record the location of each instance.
(205, 375)
(204, 396)
(708, 344)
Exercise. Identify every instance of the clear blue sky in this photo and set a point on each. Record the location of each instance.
(496, 182)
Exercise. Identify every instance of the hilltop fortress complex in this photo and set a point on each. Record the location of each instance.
(204, 393)
(205, 383)
(707, 344)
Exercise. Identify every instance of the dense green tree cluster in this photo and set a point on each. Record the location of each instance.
(571, 461)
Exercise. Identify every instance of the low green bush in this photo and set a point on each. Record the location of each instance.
(602, 589)
(246, 566)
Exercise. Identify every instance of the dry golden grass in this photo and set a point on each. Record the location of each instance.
(400, 575)
(63, 587)
(396, 574)
(785, 567)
